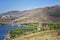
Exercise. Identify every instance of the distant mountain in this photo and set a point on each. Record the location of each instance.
(47, 14)
(14, 13)
(11, 13)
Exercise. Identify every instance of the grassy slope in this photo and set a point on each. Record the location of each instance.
(45, 35)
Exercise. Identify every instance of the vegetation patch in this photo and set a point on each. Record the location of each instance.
(51, 26)
(31, 27)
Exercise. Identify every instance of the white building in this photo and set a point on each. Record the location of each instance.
(6, 17)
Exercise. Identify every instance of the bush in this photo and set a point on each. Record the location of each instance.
(51, 26)
(54, 26)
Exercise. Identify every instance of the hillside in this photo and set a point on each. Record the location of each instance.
(45, 35)
(47, 14)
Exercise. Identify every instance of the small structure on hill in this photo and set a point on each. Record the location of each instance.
(42, 25)
(39, 26)
(45, 25)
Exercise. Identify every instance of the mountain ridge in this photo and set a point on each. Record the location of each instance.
(47, 14)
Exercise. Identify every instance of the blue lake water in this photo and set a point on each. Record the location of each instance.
(4, 30)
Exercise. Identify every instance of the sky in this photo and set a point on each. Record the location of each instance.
(9, 5)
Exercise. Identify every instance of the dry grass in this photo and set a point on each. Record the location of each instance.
(45, 35)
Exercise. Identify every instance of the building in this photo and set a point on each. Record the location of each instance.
(6, 17)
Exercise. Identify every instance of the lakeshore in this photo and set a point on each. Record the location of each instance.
(4, 30)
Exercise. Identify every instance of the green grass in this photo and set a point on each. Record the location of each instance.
(31, 27)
